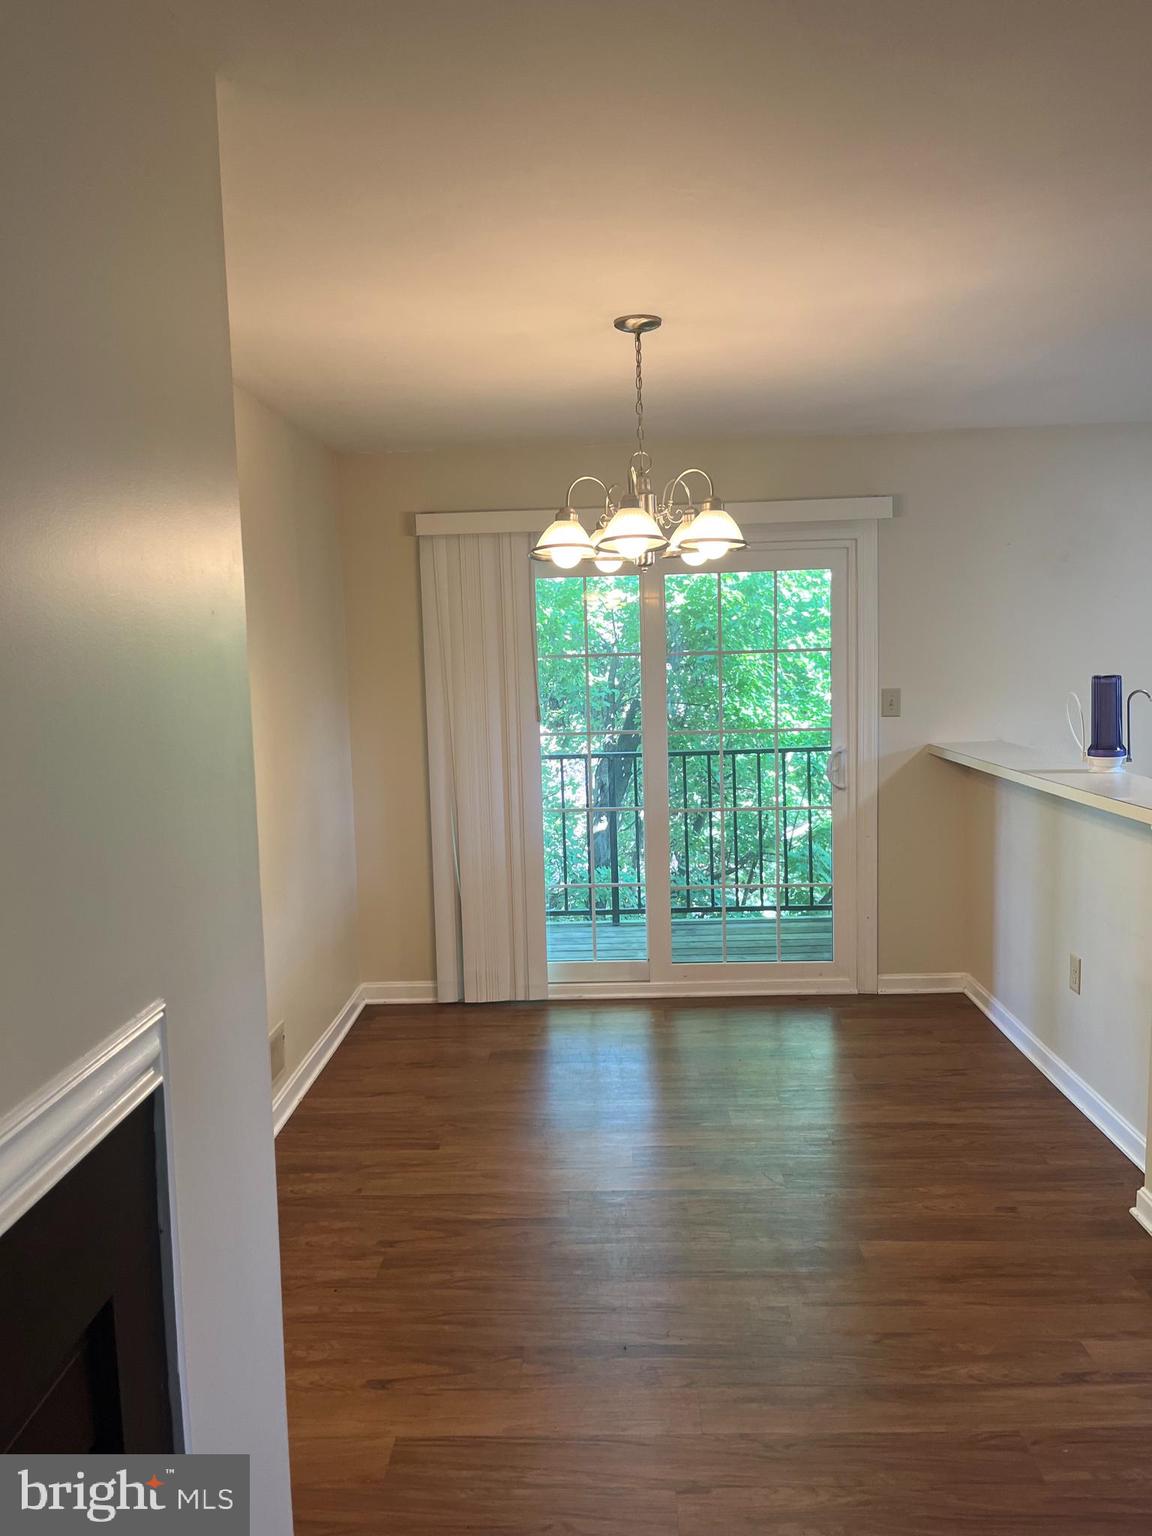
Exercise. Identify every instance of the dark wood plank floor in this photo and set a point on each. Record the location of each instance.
(789, 1267)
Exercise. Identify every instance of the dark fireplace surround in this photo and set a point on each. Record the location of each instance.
(83, 1287)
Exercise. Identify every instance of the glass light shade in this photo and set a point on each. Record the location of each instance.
(694, 556)
(714, 533)
(566, 558)
(633, 532)
(609, 564)
(679, 533)
(565, 541)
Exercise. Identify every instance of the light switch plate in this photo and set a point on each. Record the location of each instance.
(890, 703)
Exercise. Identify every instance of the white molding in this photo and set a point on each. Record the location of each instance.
(296, 1084)
(859, 540)
(1142, 1210)
(1121, 1132)
(45, 1137)
(816, 509)
(913, 982)
(785, 986)
(864, 590)
(398, 992)
(615, 972)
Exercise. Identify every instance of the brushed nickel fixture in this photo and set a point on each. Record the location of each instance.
(637, 526)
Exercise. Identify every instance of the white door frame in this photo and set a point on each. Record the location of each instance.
(858, 541)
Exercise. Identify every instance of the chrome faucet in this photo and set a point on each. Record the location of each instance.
(1143, 693)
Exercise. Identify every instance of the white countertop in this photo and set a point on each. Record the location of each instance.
(1119, 794)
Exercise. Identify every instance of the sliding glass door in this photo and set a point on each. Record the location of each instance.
(592, 768)
(693, 742)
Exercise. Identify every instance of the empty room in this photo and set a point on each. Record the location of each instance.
(577, 754)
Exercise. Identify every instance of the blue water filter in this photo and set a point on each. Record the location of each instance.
(1107, 719)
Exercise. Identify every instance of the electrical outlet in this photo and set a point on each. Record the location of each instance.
(277, 1050)
(890, 703)
(1074, 972)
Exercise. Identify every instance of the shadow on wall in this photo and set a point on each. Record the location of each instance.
(1047, 880)
(921, 866)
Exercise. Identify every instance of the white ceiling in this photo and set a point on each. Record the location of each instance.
(854, 215)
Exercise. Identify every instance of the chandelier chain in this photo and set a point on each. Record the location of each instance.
(637, 525)
(639, 396)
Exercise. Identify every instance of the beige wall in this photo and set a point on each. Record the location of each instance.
(389, 759)
(127, 818)
(1047, 879)
(299, 683)
(984, 625)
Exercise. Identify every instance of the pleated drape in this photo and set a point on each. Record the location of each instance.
(483, 767)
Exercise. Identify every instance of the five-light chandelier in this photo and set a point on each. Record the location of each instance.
(635, 526)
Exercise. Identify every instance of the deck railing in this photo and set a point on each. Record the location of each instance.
(790, 769)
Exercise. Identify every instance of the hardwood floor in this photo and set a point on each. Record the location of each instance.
(797, 1267)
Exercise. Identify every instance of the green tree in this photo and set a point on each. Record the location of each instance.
(588, 644)
(749, 717)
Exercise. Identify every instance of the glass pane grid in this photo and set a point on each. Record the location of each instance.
(623, 809)
(588, 665)
(749, 716)
(750, 833)
(792, 650)
(740, 807)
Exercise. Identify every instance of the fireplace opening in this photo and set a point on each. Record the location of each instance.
(83, 1306)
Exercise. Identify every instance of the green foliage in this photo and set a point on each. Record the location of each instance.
(749, 699)
(691, 613)
(749, 604)
(559, 616)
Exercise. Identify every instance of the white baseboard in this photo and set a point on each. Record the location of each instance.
(1121, 1132)
(45, 1137)
(1142, 1210)
(398, 992)
(287, 1096)
(923, 981)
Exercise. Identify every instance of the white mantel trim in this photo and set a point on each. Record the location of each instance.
(45, 1137)
(817, 509)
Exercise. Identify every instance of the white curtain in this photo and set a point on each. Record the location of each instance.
(483, 767)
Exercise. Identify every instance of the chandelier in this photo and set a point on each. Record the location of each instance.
(636, 526)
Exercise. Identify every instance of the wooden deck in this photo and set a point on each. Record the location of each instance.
(697, 940)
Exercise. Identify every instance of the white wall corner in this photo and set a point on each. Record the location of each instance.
(288, 1094)
(927, 981)
(1142, 1210)
(1121, 1132)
